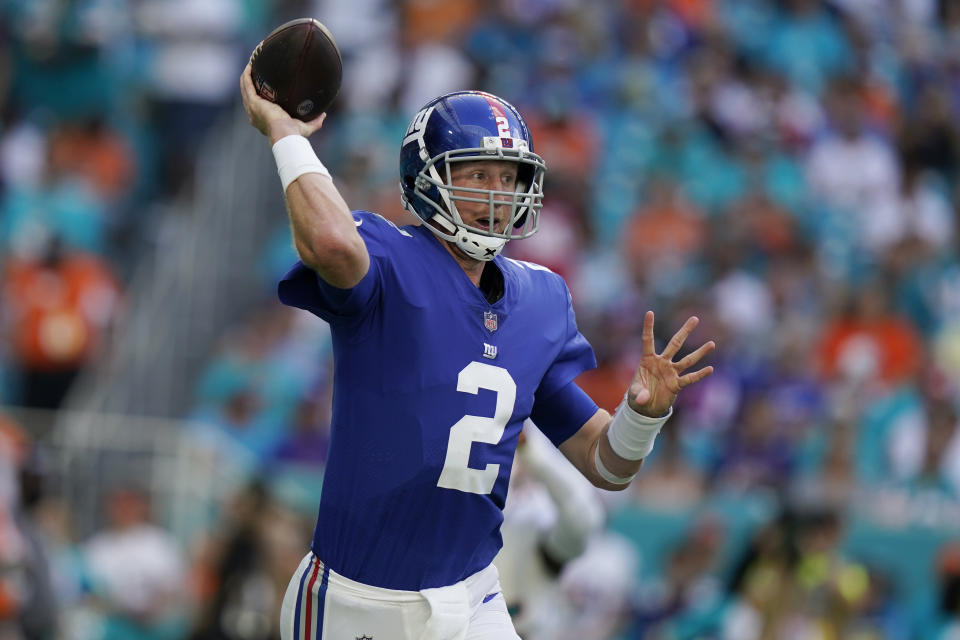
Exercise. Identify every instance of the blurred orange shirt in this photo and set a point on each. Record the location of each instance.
(568, 146)
(55, 314)
(103, 158)
(437, 20)
(893, 342)
(658, 232)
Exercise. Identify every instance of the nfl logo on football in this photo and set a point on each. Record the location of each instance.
(490, 321)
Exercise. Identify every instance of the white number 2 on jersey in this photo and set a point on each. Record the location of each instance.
(456, 473)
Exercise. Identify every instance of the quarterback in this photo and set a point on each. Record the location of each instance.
(442, 349)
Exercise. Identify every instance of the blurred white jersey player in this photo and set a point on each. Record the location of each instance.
(553, 515)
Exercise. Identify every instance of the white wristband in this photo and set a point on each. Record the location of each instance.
(295, 157)
(606, 473)
(632, 434)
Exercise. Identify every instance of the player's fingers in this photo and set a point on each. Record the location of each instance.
(693, 358)
(696, 376)
(309, 128)
(680, 337)
(646, 337)
(246, 84)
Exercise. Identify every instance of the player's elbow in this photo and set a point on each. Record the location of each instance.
(340, 259)
(599, 483)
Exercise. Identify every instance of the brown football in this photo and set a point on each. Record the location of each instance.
(298, 67)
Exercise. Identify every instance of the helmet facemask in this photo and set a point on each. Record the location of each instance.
(524, 202)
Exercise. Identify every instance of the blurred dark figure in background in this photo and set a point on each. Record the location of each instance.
(244, 567)
(27, 608)
(949, 574)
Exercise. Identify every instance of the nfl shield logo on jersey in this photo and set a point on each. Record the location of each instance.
(364, 638)
(490, 321)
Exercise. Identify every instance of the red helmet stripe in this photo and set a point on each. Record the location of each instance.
(494, 104)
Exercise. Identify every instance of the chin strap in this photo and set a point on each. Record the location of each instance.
(475, 245)
(480, 247)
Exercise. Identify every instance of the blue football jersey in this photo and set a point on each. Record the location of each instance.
(431, 387)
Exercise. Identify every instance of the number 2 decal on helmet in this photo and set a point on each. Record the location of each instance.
(503, 127)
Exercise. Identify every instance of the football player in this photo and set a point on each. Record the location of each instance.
(550, 516)
(442, 348)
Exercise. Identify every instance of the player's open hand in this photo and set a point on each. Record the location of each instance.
(270, 119)
(658, 378)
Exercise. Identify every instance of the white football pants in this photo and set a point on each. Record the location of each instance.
(320, 604)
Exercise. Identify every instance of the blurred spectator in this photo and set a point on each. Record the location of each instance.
(794, 579)
(437, 20)
(669, 482)
(866, 342)
(27, 606)
(59, 306)
(62, 201)
(615, 345)
(806, 45)
(688, 599)
(63, 55)
(569, 138)
(433, 62)
(23, 151)
(850, 170)
(549, 519)
(233, 433)
(948, 572)
(919, 211)
(662, 238)
(757, 453)
(833, 481)
(594, 593)
(194, 53)
(928, 137)
(52, 517)
(137, 572)
(241, 569)
(927, 455)
(559, 244)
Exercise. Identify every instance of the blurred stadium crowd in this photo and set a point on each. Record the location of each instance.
(785, 169)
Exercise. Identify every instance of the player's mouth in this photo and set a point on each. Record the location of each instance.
(483, 225)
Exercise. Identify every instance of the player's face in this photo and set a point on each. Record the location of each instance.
(496, 175)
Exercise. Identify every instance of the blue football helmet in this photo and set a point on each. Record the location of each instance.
(467, 126)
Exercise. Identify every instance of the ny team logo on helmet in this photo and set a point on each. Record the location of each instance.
(467, 126)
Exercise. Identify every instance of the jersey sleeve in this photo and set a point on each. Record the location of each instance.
(561, 415)
(575, 357)
(303, 288)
